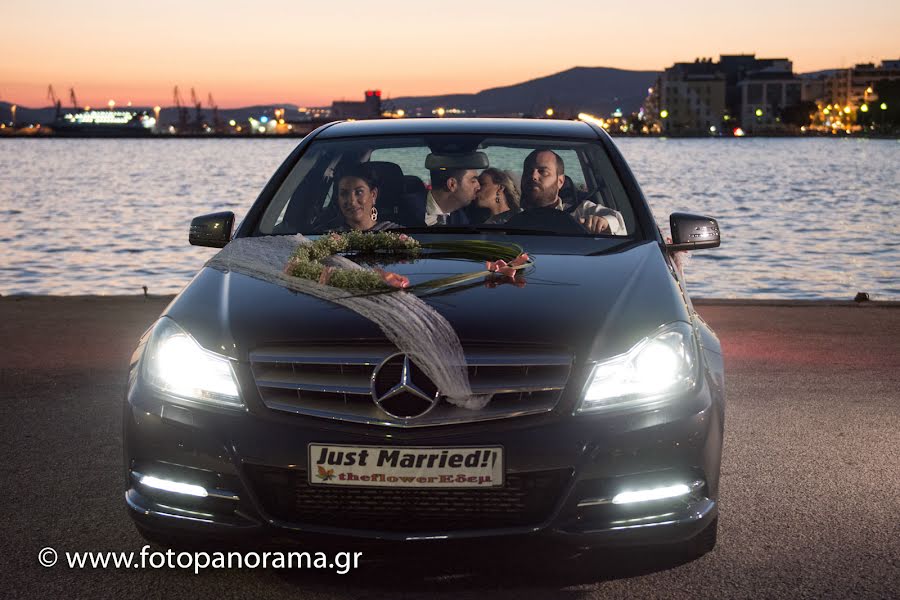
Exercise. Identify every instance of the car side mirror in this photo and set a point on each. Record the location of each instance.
(692, 232)
(212, 230)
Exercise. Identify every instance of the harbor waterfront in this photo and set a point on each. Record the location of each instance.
(800, 218)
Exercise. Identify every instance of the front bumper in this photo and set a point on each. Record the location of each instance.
(592, 458)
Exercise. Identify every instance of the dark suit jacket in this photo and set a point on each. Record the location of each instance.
(458, 217)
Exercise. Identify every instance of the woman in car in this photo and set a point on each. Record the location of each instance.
(357, 194)
(499, 195)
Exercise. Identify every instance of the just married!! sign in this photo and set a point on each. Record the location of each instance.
(379, 466)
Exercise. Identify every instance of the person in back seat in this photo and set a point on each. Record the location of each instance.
(451, 191)
(499, 195)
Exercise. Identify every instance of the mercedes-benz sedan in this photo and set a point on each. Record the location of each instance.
(435, 329)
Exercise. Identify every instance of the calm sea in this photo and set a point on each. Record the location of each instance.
(800, 218)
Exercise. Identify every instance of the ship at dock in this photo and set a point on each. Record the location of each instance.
(104, 123)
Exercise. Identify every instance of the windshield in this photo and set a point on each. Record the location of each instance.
(452, 183)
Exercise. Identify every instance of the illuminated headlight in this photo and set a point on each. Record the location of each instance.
(176, 364)
(661, 365)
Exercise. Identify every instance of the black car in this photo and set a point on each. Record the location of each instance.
(378, 353)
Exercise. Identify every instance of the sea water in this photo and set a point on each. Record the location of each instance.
(800, 218)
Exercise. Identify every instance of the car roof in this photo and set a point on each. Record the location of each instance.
(527, 127)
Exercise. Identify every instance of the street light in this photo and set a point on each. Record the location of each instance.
(663, 114)
(759, 112)
(884, 106)
(549, 112)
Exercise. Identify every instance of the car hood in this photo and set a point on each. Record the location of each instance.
(592, 306)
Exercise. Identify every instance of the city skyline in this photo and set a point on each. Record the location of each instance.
(311, 55)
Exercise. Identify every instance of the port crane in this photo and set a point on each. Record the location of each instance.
(198, 115)
(182, 111)
(51, 95)
(217, 126)
(73, 98)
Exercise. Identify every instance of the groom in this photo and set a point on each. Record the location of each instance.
(451, 191)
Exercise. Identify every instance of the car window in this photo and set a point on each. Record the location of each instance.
(410, 160)
(448, 181)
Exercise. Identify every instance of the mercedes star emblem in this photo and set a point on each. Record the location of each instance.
(401, 389)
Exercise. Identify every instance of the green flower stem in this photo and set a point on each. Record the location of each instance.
(306, 261)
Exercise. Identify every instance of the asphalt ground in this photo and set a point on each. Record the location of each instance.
(810, 490)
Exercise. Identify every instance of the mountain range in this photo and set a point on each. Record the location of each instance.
(598, 90)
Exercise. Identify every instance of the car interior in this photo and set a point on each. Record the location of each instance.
(306, 202)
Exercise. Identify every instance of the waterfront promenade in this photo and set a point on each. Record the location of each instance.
(810, 492)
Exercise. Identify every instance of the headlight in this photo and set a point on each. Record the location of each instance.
(658, 366)
(176, 364)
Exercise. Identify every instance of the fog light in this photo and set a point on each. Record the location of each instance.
(659, 493)
(173, 486)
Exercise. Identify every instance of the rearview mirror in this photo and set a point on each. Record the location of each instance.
(212, 230)
(692, 232)
(472, 160)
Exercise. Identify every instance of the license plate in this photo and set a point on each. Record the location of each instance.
(406, 467)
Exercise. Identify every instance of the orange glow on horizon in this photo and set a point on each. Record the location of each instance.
(310, 54)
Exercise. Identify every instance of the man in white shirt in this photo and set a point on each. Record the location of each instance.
(543, 176)
(451, 191)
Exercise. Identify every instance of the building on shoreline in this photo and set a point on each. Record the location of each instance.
(369, 108)
(691, 98)
(768, 99)
(739, 93)
(861, 98)
(856, 86)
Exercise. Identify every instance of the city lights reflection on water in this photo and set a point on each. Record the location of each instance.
(800, 218)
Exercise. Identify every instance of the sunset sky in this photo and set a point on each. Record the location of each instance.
(310, 53)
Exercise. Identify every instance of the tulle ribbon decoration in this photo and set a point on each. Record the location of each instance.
(415, 327)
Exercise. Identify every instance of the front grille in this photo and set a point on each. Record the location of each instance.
(525, 499)
(335, 382)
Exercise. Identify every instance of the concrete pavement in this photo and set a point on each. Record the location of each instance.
(810, 504)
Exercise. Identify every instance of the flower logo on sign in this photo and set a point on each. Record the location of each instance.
(325, 474)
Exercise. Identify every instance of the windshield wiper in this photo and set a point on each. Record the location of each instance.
(624, 241)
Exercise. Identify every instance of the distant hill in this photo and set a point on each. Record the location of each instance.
(25, 115)
(598, 90)
(819, 74)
